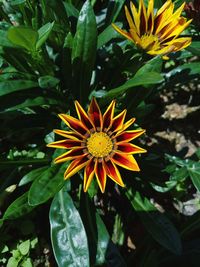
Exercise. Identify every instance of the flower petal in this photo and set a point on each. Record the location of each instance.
(118, 121)
(70, 135)
(72, 154)
(100, 173)
(108, 115)
(136, 17)
(75, 166)
(65, 144)
(74, 124)
(122, 32)
(128, 135)
(95, 115)
(125, 161)
(89, 174)
(113, 172)
(130, 148)
(130, 20)
(128, 124)
(83, 116)
(143, 17)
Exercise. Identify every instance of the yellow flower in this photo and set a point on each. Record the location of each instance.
(98, 143)
(157, 33)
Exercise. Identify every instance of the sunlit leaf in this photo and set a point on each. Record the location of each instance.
(68, 235)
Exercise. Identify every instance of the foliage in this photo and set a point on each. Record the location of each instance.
(52, 53)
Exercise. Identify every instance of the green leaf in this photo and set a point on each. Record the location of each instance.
(156, 223)
(194, 48)
(84, 51)
(194, 174)
(137, 80)
(102, 250)
(114, 7)
(192, 68)
(153, 65)
(107, 252)
(18, 208)
(24, 247)
(69, 240)
(48, 81)
(4, 39)
(34, 102)
(12, 163)
(13, 262)
(7, 87)
(108, 34)
(17, 2)
(27, 263)
(71, 10)
(43, 34)
(32, 175)
(23, 37)
(180, 174)
(47, 185)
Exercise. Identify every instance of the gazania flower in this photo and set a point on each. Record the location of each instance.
(98, 143)
(157, 33)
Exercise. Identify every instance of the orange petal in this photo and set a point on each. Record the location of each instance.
(113, 172)
(118, 121)
(89, 174)
(73, 123)
(100, 173)
(128, 135)
(108, 115)
(67, 134)
(83, 116)
(75, 166)
(72, 154)
(65, 144)
(125, 161)
(130, 148)
(95, 115)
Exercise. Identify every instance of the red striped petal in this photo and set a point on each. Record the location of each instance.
(75, 166)
(130, 148)
(95, 115)
(125, 161)
(100, 173)
(108, 115)
(72, 154)
(128, 135)
(83, 116)
(118, 122)
(89, 174)
(70, 135)
(113, 172)
(65, 144)
(74, 124)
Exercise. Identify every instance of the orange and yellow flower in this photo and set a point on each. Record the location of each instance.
(156, 33)
(98, 143)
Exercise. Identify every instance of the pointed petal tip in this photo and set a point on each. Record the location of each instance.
(49, 145)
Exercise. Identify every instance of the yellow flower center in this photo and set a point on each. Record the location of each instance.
(150, 42)
(99, 144)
